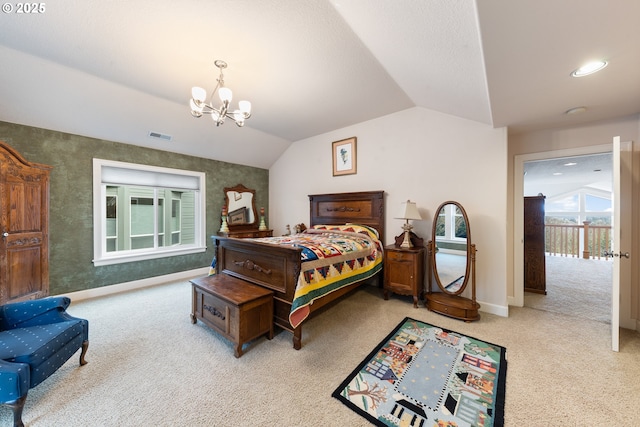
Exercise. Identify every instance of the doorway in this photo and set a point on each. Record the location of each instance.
(518, 203)
(578, 214)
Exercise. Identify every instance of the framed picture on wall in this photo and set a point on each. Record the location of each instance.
(344, 156)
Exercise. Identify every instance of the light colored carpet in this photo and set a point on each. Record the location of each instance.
(149, 366)
(576, 287)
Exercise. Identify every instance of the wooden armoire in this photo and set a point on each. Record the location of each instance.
(534, 250)
(24, 227)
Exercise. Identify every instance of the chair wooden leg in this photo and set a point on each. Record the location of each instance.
(16, 407)
(85, 346)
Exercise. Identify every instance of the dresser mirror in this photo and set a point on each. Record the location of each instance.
(240, 203)
(452, 259)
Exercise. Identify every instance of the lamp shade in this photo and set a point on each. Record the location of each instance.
(409, 211)
(195, 107)
(198, 93)
(245, 107)
(225, 94)
(238, 117)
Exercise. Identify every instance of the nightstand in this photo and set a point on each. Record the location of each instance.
(404, 272)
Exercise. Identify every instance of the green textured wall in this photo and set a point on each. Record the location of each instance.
(71, 202)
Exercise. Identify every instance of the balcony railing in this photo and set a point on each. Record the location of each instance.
(592, 241)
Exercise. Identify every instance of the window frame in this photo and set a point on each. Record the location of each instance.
(450, 214)
(100, 255)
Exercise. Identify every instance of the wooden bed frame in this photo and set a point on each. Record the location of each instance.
(278, 267)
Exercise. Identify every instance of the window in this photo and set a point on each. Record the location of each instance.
(450, 224)
(145, 212)
(578, 206)
(597, 204)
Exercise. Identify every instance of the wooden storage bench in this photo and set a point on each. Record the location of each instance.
(237, 309)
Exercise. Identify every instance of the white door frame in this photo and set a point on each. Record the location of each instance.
(518, 218)
(518, 208)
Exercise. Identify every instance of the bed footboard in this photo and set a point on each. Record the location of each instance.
(273, 267)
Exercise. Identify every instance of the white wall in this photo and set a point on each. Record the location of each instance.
(416, 154)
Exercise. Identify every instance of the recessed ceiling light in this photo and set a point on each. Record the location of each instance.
(589, 68)
(557, 173)
(570, 164)
(576, 110)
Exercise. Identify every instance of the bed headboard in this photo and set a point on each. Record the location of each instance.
(365, 207)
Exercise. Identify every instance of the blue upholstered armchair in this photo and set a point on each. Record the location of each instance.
(36, 338)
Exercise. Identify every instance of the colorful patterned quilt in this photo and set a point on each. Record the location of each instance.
(332, 258)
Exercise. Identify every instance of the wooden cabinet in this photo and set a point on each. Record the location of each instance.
(246, 234)
(404, 272)
(24, 227)
(534, 242)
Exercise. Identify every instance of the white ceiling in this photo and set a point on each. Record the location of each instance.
(564, 175)
(118, 69)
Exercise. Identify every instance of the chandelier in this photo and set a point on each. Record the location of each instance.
(200, 107)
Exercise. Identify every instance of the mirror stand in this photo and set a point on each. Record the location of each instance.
(454, 267)
(455, 306)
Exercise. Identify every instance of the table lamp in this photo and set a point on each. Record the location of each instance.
(409, 211)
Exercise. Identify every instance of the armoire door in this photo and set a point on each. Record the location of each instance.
(24, 224)
(534, 250)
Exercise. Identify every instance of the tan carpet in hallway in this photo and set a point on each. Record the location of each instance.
(576, 287)
(149, 366)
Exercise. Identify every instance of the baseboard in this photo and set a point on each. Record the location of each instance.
(513, 301)
(629, 324)
(498, 310)
(136, 284)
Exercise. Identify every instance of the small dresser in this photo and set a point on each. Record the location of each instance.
(404, 272)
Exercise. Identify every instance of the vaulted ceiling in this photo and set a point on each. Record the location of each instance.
(118, 70)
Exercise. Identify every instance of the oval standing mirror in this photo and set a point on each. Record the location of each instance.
(240, 202)
(452, 259)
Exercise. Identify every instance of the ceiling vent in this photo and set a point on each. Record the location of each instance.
(160, 136)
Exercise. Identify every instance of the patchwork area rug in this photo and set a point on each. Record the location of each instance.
(423, 375)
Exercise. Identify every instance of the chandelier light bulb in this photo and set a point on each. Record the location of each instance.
(238, 116)
(245, 107)
(198, 93)
(195, 107)
(225, 94)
